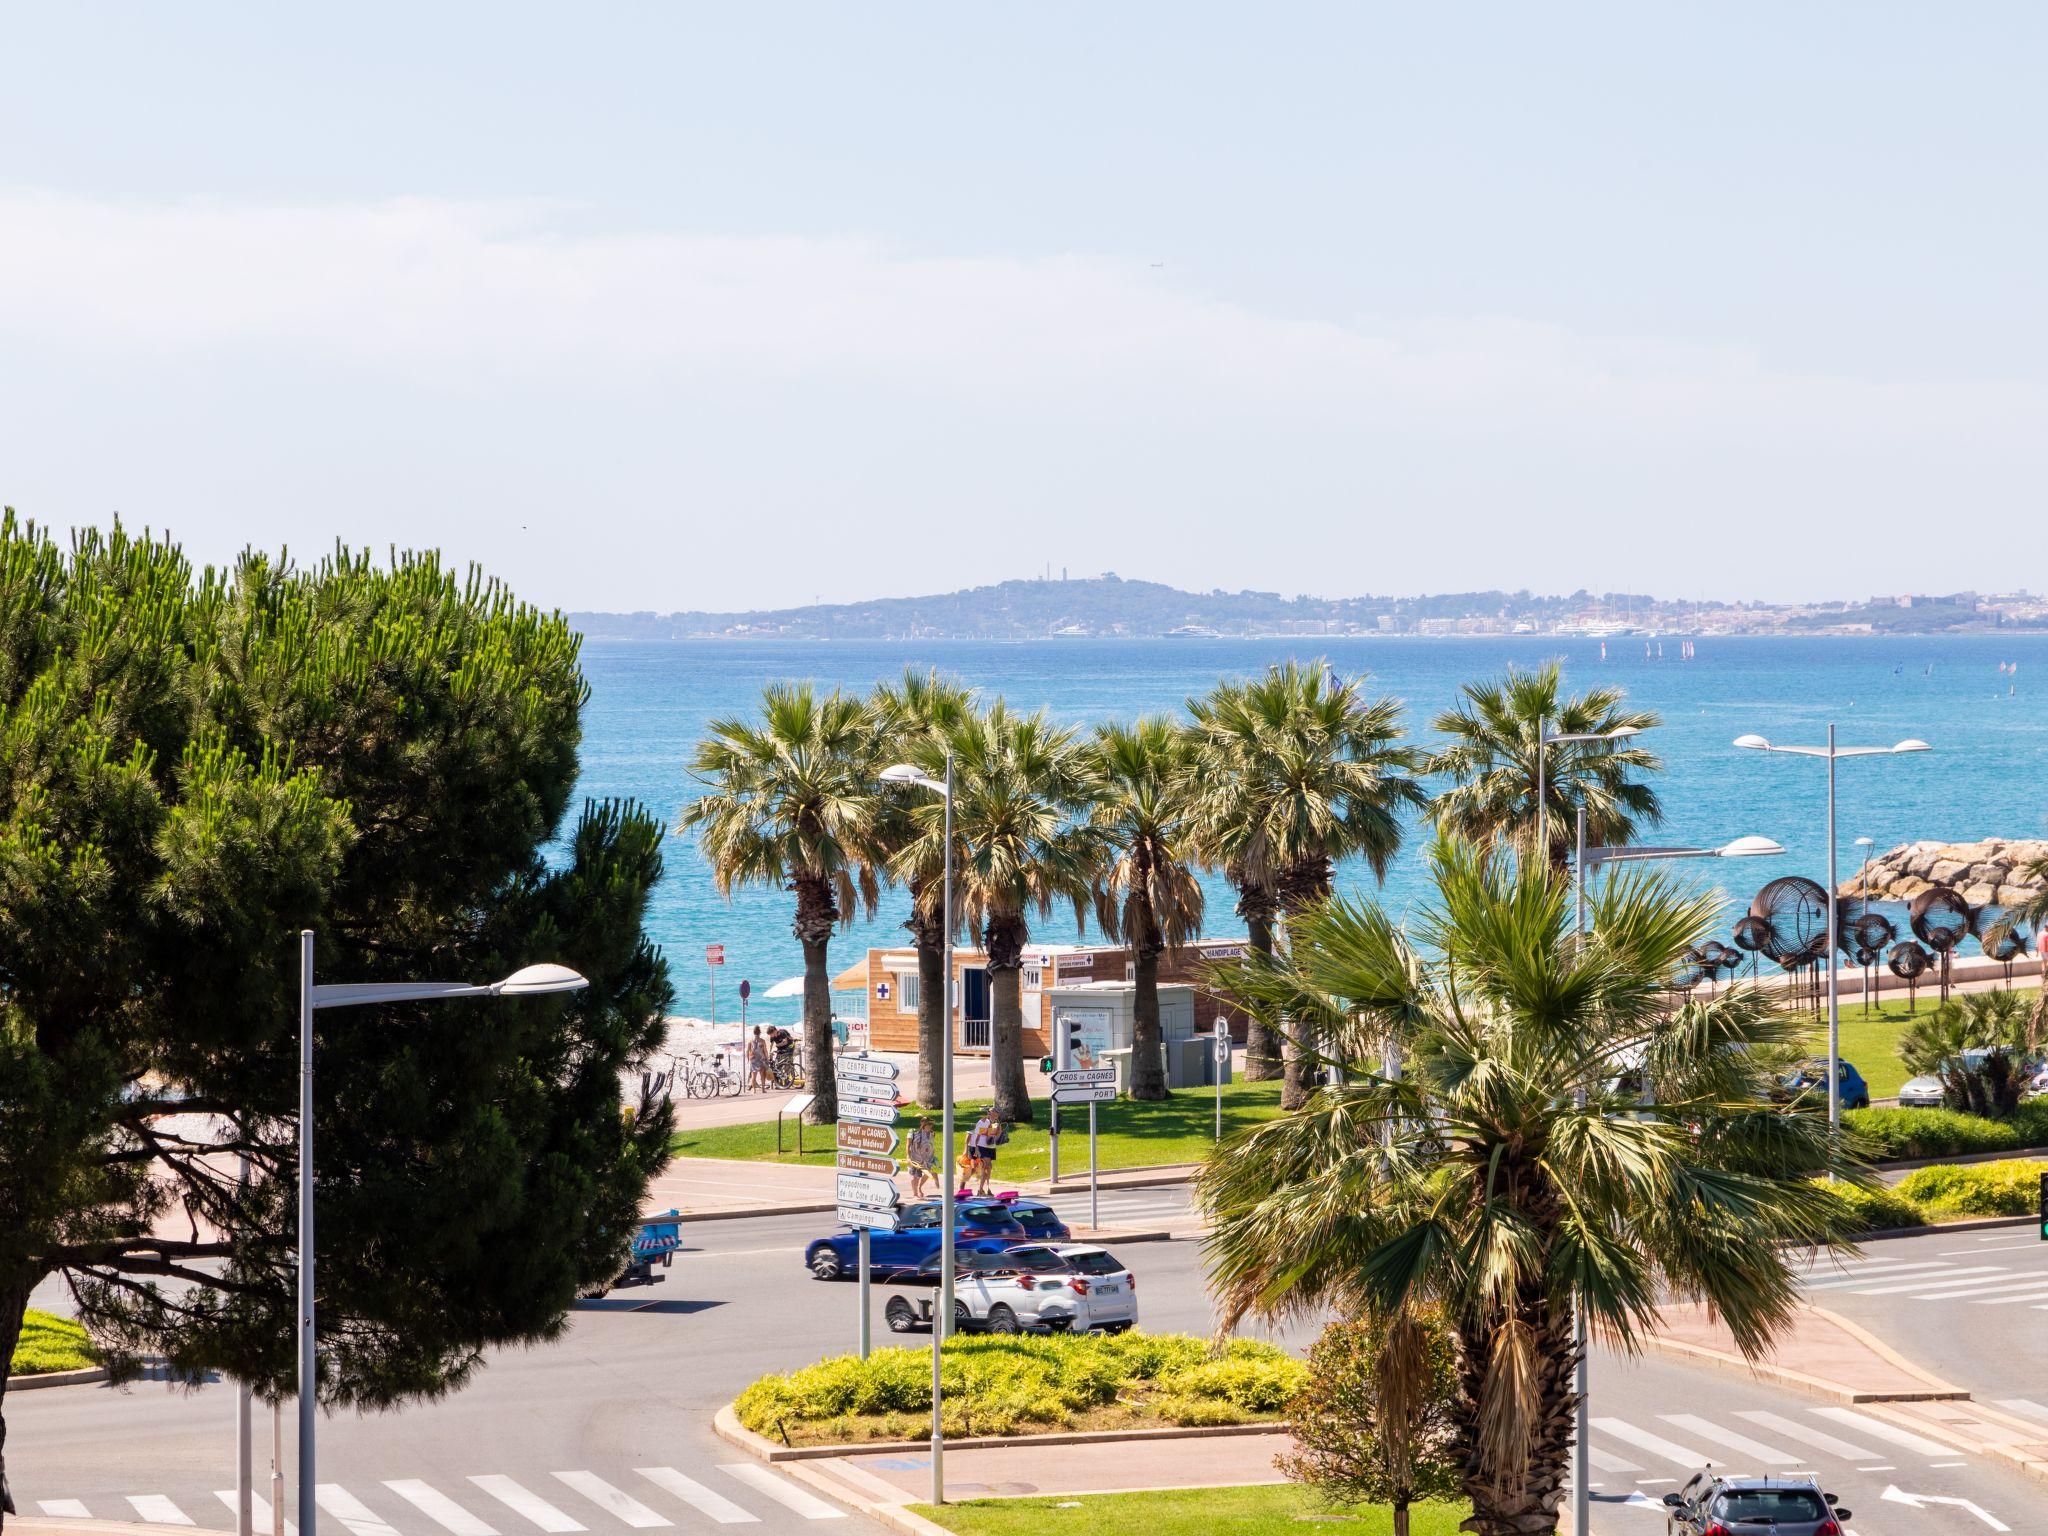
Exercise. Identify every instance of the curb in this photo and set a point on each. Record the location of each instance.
(1964, 1159)
(1936, 1390)
(726, 1425)
(48, 1525)
(79, 1377)
(1975, 1224)
(749, 1212)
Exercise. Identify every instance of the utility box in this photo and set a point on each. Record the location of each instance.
(1094, 1018)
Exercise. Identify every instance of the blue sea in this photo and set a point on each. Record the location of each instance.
(651, 701)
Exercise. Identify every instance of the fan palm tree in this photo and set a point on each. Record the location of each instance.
(790, 801)
(914, 718)
(1148, 896)
(1495, 1176)
(1296, 771)
(1020, 787)
(1491, 758)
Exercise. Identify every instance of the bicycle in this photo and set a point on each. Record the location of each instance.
(708, 1082)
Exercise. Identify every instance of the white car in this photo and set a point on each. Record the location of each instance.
(1057, 1288)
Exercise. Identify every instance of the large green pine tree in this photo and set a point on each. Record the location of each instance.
(193, 766)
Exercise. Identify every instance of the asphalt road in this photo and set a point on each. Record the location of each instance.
(608, 1429)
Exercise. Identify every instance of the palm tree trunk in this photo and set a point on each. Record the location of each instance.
(1261, 1039)
(1004, 943)
(1302, 886)
(1148, 1067)
(1503, 1503)
(817, 914)
(13, 1307)
(929, 934)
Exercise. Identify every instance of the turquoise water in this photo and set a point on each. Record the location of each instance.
(650, 702)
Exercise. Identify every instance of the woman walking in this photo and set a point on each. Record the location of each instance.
(923, 1158)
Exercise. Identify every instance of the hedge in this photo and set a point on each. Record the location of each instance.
(1945, 1192)
(51, 1343)
(1908, 1135)
(997, 1385)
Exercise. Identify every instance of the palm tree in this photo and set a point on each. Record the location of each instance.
(1019, 785)
(1148, 896)
(914, 718)
(1296, 771)
(1495, 1176)
(1491, 757)
(790, 801)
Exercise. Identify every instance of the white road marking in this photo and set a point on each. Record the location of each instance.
(2040, 1290)
(259, 1510)
(1923, 1282)
(158, 1510)
(351, 1511)
(1982, 1288)
(64, 1509)
(787, 1494)
(522, 1501)
(1770, 1455)
(439, 1508)
(696, 1495)
(1608, 1463)
(611, 1500)
(2024, 1406)
(1884, 1431)
(1790, 1428)
(1846, 1281)
(1621, 1429)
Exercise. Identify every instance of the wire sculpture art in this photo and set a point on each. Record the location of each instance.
(1940, 919)
(1909, 963)
(1796, 911)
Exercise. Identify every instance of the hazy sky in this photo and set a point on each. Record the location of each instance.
(665, 306)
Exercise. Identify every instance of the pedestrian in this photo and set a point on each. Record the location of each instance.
(923, 1157)
(988, 1132)
(757, 1061)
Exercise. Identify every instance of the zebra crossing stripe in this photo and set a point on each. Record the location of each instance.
(787, 1494)
(523, 1502)
(1621, 1429)
(2026, 1407)
(158, 1510)
(1884, 1431)
(438, 1507)
(696, 1495)
(1769, 1455)
(259, 1510)
(2037, 1293)
(1609, 1463)
(351, 1511)
(64, 1509)
(611, 1500)
(1981, 1288)
(1779, 1424)
(1846, 1282)
(1977, 1275)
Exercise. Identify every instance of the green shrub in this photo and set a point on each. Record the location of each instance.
(1907, 1135)
(51, 1343)
(1372, 1429)
(1877, 1210)
(1263, 1386)
(1977, 1189)
(1199, 1412)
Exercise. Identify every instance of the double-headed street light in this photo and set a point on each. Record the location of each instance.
(1546, 739)
(942, 1314)
(1589, 859)
(1831, 752)
(533, 981)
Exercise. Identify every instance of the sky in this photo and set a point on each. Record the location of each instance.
(679, 306)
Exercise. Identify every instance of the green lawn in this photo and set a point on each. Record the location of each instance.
(1179, 1129)
(1870, 1037)
(51, 1343)
(1255, 1511)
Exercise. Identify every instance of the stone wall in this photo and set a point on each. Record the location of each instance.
(1990, 873)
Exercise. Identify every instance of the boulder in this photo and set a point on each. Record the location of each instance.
(1991, 872)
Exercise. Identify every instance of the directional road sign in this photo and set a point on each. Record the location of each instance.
(864, 1189)
(878, 1139)
(867, 1066)
(874, 1114)
(867, 1162)
(1090, 1093)
(860, 1216)
(868, 1092)
(1079, 1077)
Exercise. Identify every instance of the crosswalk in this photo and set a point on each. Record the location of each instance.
(494, 1504)
(1669, 1447)
(1993, 1271)
(1167, 1206)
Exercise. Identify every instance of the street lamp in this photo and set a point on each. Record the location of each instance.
(942, 1315)
(1546, 739)
(532, 981)
(1831, 752)
(1588, 859)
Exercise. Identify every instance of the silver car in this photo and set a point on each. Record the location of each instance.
(1924, 1092)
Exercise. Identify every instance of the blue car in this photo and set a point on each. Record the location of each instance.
(1812, 1076)
(1040, 1221)
(916, 1238)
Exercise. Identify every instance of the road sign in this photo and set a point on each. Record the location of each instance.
(874, 1114)
(746, 989)
(1077, 1077)
(861, 1216)
(873, 1067)
(865, 1189)
(714, 954)
(865, 1162)
(1092, 1093)
(870, 1093)
(878, 1139)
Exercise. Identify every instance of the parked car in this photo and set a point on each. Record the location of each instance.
(1924, 1092)
(1714, 1505)
(1030, 1286)
(916, 1238)
(1812, 1076)
(1038, 1219)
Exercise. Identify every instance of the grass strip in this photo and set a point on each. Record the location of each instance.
(1260, 1510)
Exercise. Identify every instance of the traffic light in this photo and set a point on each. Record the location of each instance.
(1067, 1044)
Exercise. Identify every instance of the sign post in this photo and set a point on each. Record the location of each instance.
(1094, 1183)
(865, 1186)
(2044, 1207)
(1090, 1086)
(1221, 1066)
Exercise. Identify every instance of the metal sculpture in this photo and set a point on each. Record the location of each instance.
(2003, 936)
(1796, 909)
(1753, 934)
(1870, 932)
(1941, 920)
(1909, 963)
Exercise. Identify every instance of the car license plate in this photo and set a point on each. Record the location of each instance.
(1108, 1288)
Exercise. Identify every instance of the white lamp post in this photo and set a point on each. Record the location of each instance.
(1546, 740)
(1832, 752)
(533, 981)
(1741, 848)
(942, 1315)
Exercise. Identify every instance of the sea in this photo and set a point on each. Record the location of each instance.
(651, 701)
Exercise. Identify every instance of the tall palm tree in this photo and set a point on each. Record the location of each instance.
(914, 718)
(1496, 1177)
(1148, 896)
(1296, 771)
(1020, 785)
(1491, 758)
(790, 801)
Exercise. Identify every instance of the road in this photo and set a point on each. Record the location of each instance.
(607, 1429)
